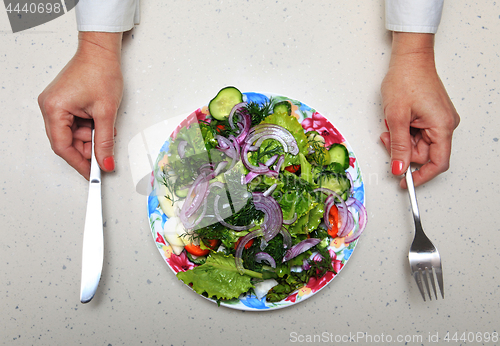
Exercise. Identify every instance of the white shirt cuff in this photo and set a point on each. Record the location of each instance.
(422, 16)
(107, 16)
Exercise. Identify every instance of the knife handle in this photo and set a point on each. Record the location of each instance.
(95, 171)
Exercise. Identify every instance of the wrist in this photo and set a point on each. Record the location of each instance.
(105, 45)
(416, 49)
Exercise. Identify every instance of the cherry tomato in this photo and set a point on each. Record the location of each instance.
(333, 219)
(196, 250)
(292, 168)
(247, 246)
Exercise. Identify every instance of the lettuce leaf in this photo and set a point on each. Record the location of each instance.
(295, 201)
(308, 222)
(218, 277)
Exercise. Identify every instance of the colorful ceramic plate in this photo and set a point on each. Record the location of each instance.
(340, 252)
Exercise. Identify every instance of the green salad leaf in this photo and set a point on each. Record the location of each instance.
(308, 222)
(218, 277)
(294, 195)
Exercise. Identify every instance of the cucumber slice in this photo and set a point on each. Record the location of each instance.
(181, 191)
(336, 182)
(339, 154)
(220, 106)
(283, 108)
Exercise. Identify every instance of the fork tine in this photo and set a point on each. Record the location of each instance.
(430, 271)
(439, 276)
(424, 274)
(418, 279)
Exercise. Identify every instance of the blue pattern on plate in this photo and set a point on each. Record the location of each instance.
(359, 193)
(164, 219)
(165, 146)
(305, 108)
(256, 97)
(348, 253)
(153, 203)
(253, 302)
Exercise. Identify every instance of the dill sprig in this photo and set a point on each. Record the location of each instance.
(259, 112)
(169, 183)
(267, 151)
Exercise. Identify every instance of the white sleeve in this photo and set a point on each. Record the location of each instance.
(107, 15)
(421, 16)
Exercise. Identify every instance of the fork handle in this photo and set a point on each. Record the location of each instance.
(413, 198)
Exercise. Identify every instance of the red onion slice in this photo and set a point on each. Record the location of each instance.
(244, 123)
(236, 109)
(349, 224)
(270, 190)
(227, 147)
(273, 215)
(264, 256)
(191, 225)
(236, 157)
(271, 160)
(291, 221)
(181, 149)
(342, 207)
(329, 204)
(287, 238)
(206, 168)
(363, 217)
(261, 132)
(301, 247)
(248, 178)
(279, 163)
(262, 169)
(239, 249)
(193, 203)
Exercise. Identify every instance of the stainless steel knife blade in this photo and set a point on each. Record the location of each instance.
(93, 240)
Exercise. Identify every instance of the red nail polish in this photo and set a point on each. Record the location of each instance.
(397, 167)
(109, 163)
(386, 125)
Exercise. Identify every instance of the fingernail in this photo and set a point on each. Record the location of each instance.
(386, 125)
(109, 163)
(397, 167)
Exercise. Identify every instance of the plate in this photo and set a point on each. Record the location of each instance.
(340, 251)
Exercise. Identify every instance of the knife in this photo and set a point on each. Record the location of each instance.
(93, 242)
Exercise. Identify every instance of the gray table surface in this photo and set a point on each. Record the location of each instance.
(330, 55)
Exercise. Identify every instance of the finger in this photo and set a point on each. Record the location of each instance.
(83, 134)
(85, 148)
(58, 125)
(420, 150)
(70, 154)
(439, 161)
(104, 139)
(83, 122)
(385, 138)
(400, 141)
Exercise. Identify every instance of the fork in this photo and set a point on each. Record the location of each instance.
(424, 256)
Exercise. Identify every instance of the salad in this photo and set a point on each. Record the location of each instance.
(251, 200)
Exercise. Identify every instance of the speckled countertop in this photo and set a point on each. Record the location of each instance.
(330, 55)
